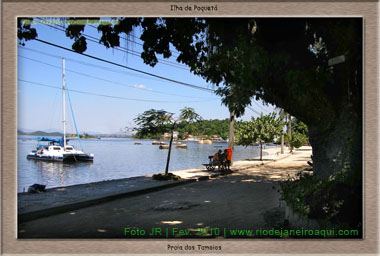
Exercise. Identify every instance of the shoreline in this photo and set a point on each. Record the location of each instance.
(236, 165)
(145, 171)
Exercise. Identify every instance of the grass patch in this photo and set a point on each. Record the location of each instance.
(335, 202)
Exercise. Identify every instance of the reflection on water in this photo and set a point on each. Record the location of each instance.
(59, 173)
(114, 159)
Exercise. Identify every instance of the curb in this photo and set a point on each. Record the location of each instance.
(75, 206)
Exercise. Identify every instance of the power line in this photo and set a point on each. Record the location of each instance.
(261, 107)
(90, 64)
(120, 48)
(110, 81)
(107, 96)
(253, 110)
(126, 67)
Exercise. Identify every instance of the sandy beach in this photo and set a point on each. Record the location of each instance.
(248, 198)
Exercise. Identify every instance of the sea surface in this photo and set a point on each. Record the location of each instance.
(115, 158)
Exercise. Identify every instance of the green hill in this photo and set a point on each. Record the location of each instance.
(40, 133)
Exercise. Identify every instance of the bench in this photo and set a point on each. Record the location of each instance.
(212, 164)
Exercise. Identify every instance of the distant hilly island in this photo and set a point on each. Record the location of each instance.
(39, 133)
(59, 134)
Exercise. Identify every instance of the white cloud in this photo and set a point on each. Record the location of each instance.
(141, 86)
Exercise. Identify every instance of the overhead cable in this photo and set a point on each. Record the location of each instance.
(126, 67)
(108, 96)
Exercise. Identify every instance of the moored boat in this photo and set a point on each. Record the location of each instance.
(54, 150)
(183, 146)
(57, 149)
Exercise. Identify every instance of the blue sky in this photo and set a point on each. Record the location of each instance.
(40, 69)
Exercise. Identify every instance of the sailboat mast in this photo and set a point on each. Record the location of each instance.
(63, 103)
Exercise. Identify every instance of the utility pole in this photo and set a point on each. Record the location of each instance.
(282, 142)
(231, 133)
(289, 126)
(282, 112)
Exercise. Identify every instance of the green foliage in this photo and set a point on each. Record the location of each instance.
(205, 128)
(85, 136)
(335, 201)
(299, 126)
(296, 140)
(188, 114)
(265, 128)
(24, 30)
(152, 123)
(299, 135)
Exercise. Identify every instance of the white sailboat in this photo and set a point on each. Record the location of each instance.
(57, 149)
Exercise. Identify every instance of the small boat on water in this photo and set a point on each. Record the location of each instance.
(57, 149)
(183, 146)
(204, 142)
(54, 150)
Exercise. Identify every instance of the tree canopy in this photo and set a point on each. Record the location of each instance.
(152, 123)
(188, 114)
(299, 134)
(263, 129)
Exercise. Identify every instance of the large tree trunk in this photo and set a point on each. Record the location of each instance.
(231, 137)
(338, 147)
(282, 143)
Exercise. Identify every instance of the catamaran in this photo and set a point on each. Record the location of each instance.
(57, 149)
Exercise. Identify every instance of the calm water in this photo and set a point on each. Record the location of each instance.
(114, 159)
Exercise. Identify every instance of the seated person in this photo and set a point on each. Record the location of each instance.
(217, 159)
(223, 158)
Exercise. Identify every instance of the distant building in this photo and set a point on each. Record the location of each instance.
(167, 135)
(190, 138)
(216, 138)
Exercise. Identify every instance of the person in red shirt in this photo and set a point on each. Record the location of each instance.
(228, 153)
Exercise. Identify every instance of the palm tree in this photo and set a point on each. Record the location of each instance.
(188, 114)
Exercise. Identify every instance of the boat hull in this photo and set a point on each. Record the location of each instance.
(64, 158)
(45, 158)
